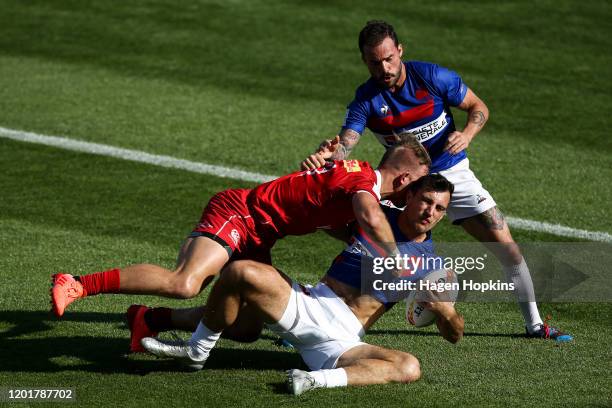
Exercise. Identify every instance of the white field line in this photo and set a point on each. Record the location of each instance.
(133, 155)
(557, 229)
(220, 171)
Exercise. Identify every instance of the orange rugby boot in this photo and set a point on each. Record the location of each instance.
(65, 290)
(138, 327)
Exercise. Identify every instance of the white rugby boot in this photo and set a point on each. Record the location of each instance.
(299, 381)
(180, 350)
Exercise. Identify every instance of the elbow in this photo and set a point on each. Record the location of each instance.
(370, 220)
(485, 111)
(478, 112)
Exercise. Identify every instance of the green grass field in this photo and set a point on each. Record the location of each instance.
(257, 85)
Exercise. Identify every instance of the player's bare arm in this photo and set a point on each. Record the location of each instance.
(338, 148)
(478, 114)
(450, 323)
(372, 219)
(324, 152)
(348, 140)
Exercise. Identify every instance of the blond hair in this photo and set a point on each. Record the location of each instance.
(406, 141)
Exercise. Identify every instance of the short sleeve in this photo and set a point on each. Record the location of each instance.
(356, 116)
(449, 85)
(360, 178)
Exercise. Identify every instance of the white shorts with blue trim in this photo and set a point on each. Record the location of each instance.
(470, 197)
(319, 325)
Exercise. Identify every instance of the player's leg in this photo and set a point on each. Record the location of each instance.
(160, 319)
(265, 291)
(149, 322)
(473, 207)
(222, 230)
(146, 321)
(368, 364)
(263, 288)
(203, 260)
(185, 319)
(245, 329)
(364, 364)
(491, 229)
(491, 226)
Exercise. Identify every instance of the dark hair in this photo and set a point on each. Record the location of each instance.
(374, 32)
(432, 182)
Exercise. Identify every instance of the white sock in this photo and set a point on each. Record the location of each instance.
(203, 340)
(523, 289)
(330, 378)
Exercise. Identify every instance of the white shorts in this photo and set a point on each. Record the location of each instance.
(319, 325)
(470, 197)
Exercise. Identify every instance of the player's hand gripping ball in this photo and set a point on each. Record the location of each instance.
(436, 286)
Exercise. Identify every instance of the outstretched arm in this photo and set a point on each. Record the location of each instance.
(338, 148)
(348, 140)
(478, 114)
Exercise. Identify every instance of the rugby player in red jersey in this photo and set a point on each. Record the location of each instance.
(326, 322)
(245, 224)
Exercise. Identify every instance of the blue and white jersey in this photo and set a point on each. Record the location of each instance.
(356, 259)
(421, 106)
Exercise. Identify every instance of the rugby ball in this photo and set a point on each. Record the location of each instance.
(416, 314)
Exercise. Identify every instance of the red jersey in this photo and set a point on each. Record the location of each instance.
(247, 223)
(302, 202)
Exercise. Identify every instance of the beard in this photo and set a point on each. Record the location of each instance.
(389, 80)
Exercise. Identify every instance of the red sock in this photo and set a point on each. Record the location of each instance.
(101, 282)
(158, 319)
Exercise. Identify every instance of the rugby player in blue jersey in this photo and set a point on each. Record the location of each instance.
(417, 97)
(326, 322)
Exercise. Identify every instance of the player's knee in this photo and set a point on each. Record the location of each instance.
(242, 272)
(408, 368)
(185, 287)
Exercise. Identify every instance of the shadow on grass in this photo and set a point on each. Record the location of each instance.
(28, 322)
(278, 387)
(106, 354)
(408, 332)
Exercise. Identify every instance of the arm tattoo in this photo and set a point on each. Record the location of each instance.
(477, 118)
(348, 139)
(341, 153)
(492, 219)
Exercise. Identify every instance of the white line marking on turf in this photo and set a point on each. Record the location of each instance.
(133, 155)
(557, 229)
(220, 171)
